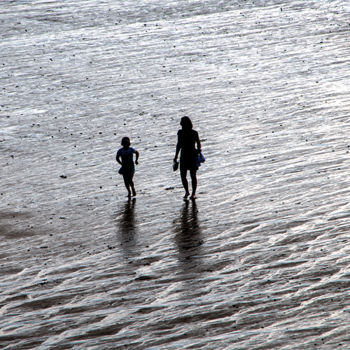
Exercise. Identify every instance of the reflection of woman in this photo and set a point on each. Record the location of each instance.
(187, 139)
(188, 233)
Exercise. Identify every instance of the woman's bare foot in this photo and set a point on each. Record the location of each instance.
(193, 196)
(186, 195)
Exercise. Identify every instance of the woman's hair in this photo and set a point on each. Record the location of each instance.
(125, 141)
(186, 123)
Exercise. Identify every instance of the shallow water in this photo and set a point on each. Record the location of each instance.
(260, 260)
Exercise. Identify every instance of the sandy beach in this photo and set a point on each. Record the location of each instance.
(260, 260)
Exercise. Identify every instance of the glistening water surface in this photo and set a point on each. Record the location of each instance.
(260, 260)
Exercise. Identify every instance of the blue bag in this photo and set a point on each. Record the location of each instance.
(200, 159)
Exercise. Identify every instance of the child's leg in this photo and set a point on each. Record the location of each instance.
(127, 183)
(184, 181)
(194, 183)
(132, 185)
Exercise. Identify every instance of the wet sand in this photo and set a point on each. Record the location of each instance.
(260, 260)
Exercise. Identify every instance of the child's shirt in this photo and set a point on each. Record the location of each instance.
(127, 157)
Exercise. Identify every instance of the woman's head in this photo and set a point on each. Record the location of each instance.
(186, 123)
(125, 142)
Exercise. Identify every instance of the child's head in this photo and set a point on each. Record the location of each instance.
(186, 123)
(125, 142)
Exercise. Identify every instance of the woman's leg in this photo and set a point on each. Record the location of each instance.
(184, 181)
(194, 182)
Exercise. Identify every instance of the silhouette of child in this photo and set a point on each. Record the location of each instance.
(125, 159)
(187, 140)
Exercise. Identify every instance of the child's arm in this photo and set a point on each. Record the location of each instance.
(137, 157)
(198, 141)
(118, 159)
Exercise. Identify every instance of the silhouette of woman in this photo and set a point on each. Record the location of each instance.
(187, 139)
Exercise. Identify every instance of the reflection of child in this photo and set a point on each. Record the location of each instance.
(125, 159)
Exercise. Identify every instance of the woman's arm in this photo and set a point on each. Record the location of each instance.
(198, 141)
(178, 147)
(177, 152)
